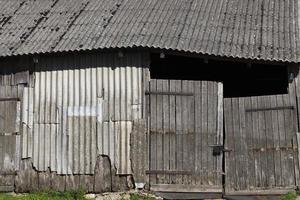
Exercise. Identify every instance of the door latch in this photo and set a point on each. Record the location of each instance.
(218, 149)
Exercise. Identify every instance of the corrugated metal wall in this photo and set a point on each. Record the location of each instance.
(81, 106)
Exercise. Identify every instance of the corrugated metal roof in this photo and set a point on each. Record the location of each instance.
(254, 29)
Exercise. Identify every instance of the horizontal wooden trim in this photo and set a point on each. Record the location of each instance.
(169, 172)
(271, 108)
(169, 93)
(189, 195)
(274, 149)
(277, 191)
(10, 99)
(184, 188)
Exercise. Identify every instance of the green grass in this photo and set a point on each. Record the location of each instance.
(50, 195)
(290, 196)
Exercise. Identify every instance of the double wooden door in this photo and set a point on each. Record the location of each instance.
(185, 129)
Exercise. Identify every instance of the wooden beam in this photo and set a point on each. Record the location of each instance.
(184, 188)
(169, 172)
(274, 191)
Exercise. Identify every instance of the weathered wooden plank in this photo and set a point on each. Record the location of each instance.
(102, 175)
(204, 130)
(250, 144)
(166, 130)
(138, 151)
(270, 143)
(159, 128)
(179, 139)
(191, 131)
(185, 131)
(256, 141)
(153, 144)
(183, 188)
(220, 126)
(276, 143)
(211, 131)
(172, 130)
(262, 142)
(282, 142)
(198, 133)
(236, 142)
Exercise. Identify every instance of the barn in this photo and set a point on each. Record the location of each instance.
(186, 98)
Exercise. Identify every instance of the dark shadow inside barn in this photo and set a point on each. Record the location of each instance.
(240, 79)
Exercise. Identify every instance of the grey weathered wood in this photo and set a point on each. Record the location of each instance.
(220, 127)
(263, 143)
(159, 128)
(166, 130)
(183, 188)
(153, 144)
(172, 128)
(138, 151)
(181, 130)
(102, 177)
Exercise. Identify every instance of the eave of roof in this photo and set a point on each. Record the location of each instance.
(250, 29)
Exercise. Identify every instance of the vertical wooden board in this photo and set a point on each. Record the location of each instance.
(229, 157)
(288, 123)
(262, 142)
(236, 142)
(172, 130)
(243, 145)
(250, 144)
(153, 132)
(276, 143)
(198, 133)
(204, 131)
(159, 131)
(179, 128)
(166, 130)
(283, 154)
(211, 131)
(191, 131)
(185, 131)
(220, 132)
(269, 145)
(256, 141)
(102, 175)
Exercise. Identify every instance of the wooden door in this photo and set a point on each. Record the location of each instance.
(260, 133)
(185, 124)
(9, 129)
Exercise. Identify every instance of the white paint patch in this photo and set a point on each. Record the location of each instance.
(87, 111)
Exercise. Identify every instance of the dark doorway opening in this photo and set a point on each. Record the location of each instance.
(240, 79)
